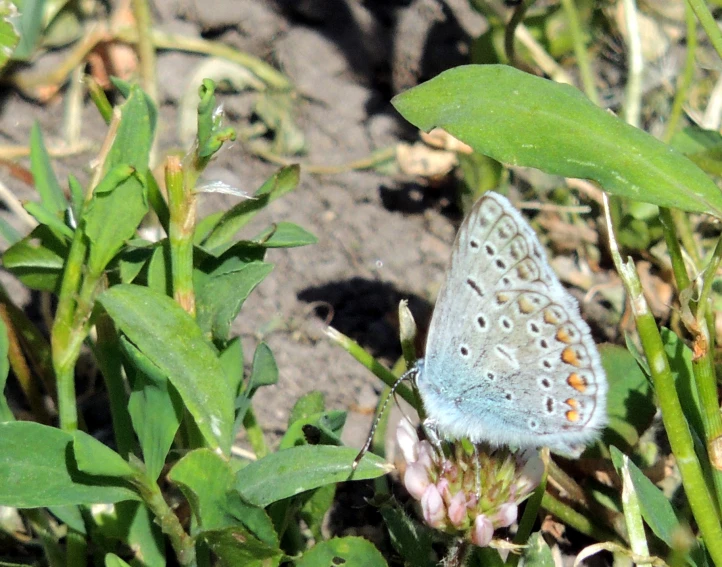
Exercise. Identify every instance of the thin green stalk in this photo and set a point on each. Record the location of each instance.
(97, 95)
(574, 519)
(709, 24)
(510, 32)
(679, 268)
(63, 334)
(76, 548)
(146, 49)
(635, 65)
(182, 207)
(167, 520)
(685, 79)
(700, 500)
(580, 50)
(633, 515)
(108, 356)
(255, 434)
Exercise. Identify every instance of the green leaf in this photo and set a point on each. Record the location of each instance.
(72, 516)
(172, 341)
(134, 256)
(38, 259)
(630, 399)
(298, 469)
(264, 372)
(30, 27)
(306, 405)
(325, 426)
(51, 195)
(524, 120)
(112, 216)
(537, 553)
(5, 413)
(237, 546)
(210, 135)
(112, 560)
(135, 132)
(314, 510)
(131, 524)
(232, 361)
(43, 216)
(9, 36)
(411, 540)
(47, 475)
(343, 551)
(285, 235)
(155, 409)
(206, 479)
(282, 182)
(92, 457)
(656, 508)
(222, 285)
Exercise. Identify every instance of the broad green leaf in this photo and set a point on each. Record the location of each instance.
(47, 475)
(155, 409)
(237, 546)
(206, 480)
(656, 508)
(537, 552)
(630, 400)
(285, 235)
(343, 551)
(525, 120)
(30, 27)
(51, 195)
(72, 516)
(113, 214)
(135, 133)
(264, 372)
(326, 427)
(172, 341)
(282, 182)
(112, 560)
(5, 413)
(292, 471)
(220, 294)
(134, 256)
(132, 524)
(43, 216)
(411, 540)
(38, 259)
(307, 405)
(92, 457)
(9, 36)
(232, 361)
(314, 510)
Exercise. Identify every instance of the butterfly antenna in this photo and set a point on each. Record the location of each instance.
(405, 376)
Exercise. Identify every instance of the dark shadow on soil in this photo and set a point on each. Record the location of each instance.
(414, 198)
(367, 311)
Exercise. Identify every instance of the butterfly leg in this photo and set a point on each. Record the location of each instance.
(432, 436)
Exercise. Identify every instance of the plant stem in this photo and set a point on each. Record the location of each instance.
(146, 49)
(675, 423)
(580, 50)
(572, 518)
(709, 24)
(182, 207)
(633, 514)
(685, 79)
(635, 64)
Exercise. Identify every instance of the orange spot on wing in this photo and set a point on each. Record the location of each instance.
(502, 298)
(563, 337)
(577, 382)
(572, 415)
(572, 403)
(550, 317)
(570, 357)
(525, 306)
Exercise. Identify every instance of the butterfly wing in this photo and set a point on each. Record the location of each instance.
(509, 359)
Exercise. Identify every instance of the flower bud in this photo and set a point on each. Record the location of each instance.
(483, 531)
(416, 480)
(432, 507)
